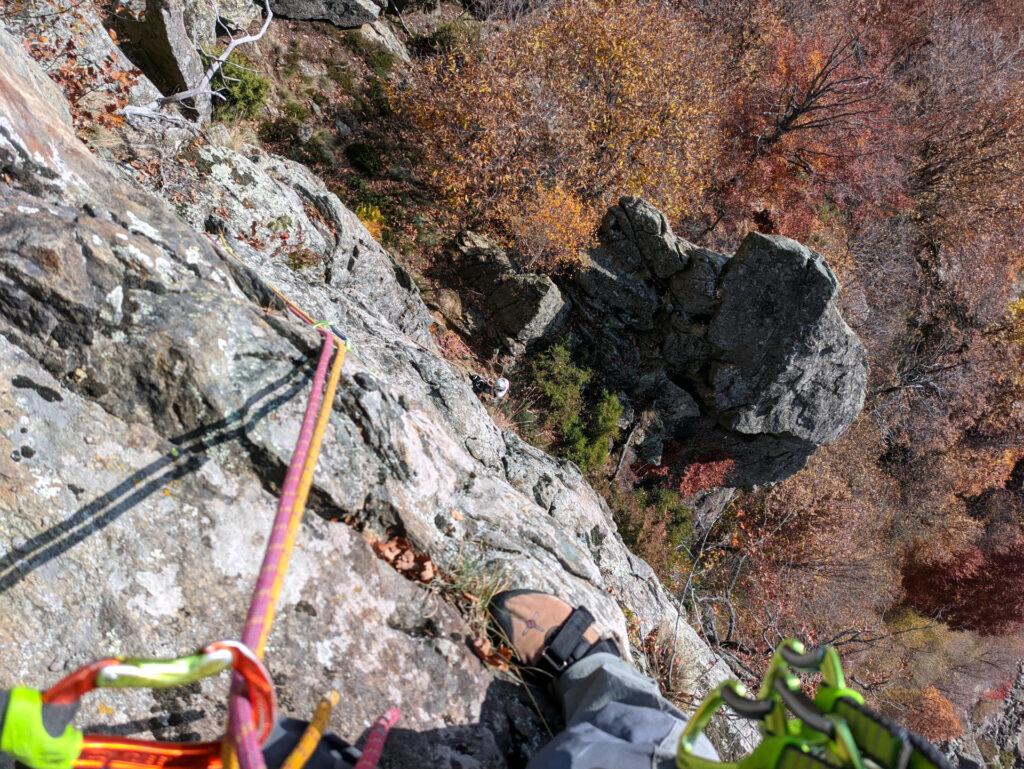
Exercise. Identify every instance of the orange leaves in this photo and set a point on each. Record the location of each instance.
(400, 554)
(498, 658)
(555, 226)
(95, 91)
(563, 112)
(933, 717)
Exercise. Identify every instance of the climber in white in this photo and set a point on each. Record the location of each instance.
(496, 390)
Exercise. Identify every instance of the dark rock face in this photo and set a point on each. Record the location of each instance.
(342, 13)
(518, 308)
(743, 360)
(163, 39)
(151, 391)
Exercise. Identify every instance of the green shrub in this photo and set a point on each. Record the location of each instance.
(366, 158)
(562, 383)
(319, 150)
(591, 443)
(245, 91)
(373, 100)
(378, 59)
(657, 526)
(342, 76)
(292, 59)
(295, 110)
(280, 131)
(585, 427)
(381, 61)
(448, 37)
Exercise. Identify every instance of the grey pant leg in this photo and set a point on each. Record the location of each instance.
(615, 718)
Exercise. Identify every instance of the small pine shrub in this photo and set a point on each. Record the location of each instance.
(562, 384)
(244, 91)
(366, 158)
(584, 428)
(591, 441)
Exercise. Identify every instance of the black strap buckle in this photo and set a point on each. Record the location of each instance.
(567, 645)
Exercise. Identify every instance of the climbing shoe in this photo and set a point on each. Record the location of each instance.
(545, 632)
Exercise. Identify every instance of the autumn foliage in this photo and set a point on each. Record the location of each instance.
(933, 716)
(537, 131)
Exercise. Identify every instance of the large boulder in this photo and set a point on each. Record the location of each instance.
(151, 389)
(342, 13)
(518, 308)
(742, 364)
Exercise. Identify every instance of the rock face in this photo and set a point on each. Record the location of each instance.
(151, 390)
(743, 362)
(80, 26)
(518, 308)
(342, 13)
(999, 740)
(163, 38)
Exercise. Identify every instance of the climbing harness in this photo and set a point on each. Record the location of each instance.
(35, 725)
(832, 730)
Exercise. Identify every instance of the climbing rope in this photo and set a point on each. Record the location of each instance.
(834, 730)
(36, 728)
(290, 509)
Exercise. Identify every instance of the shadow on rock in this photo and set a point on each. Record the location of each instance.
(515, 722)
(187, 456)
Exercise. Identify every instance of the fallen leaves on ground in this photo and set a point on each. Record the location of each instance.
(398, 552)
(496, 658)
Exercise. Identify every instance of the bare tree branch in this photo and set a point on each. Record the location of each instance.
(153, 110)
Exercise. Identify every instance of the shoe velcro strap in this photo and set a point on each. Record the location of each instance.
(568, 645)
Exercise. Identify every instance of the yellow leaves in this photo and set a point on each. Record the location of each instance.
(1015, 312)
(815, 61)
(372, 218)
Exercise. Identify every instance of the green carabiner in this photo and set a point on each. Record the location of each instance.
(163, 673)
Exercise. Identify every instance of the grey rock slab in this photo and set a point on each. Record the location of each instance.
(129, 545)
(382, 33)
(342, 13)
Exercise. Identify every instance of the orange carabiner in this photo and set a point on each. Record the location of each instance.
(113, 752)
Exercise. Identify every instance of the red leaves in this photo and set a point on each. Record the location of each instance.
(406, 561)
(704, 475)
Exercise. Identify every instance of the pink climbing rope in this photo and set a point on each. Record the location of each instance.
(264, 598)
(375, 739)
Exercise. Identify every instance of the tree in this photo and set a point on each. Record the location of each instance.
(564, 111)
